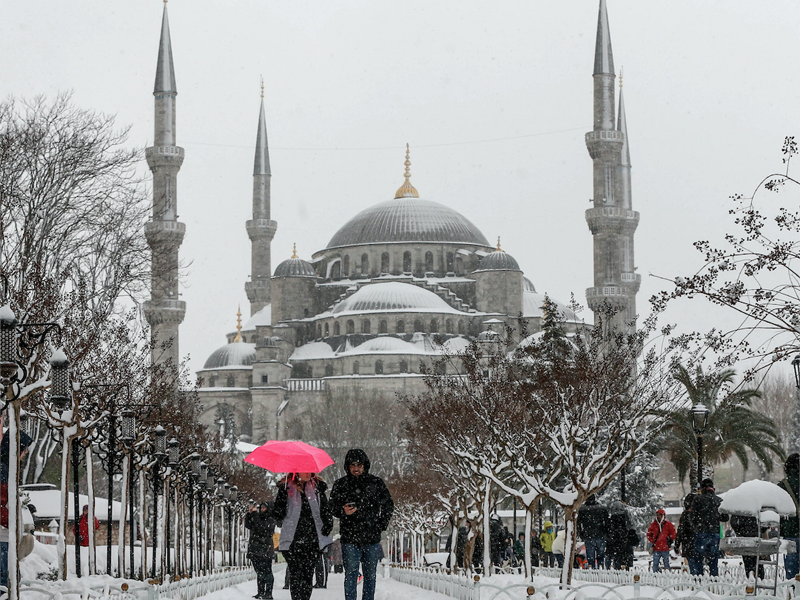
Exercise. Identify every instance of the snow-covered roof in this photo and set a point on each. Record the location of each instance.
(532, 307)
(392, 296)
(312, 350)
(385, 345)
(455, 345)
(48, 502)
(262, 317)
(755, 496)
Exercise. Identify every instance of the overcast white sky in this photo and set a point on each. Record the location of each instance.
(494, 98)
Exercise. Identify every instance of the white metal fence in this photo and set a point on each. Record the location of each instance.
(188, 588)
(588, 585)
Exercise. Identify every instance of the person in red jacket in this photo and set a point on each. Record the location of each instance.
(83, 526)
(661, 534)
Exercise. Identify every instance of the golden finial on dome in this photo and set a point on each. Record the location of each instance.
(238, 337)
(620, 78)
(262, 87)
(294, 251)
(499, 249)
(407, 190)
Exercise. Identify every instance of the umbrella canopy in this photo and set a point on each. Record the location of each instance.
(289, 457)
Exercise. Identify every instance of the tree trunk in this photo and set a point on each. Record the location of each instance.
(528, 520)
(570, 519)
(142, 524)
(487, 538)
(123, 511)
(90, 519)
(13, 501)
(62, 522)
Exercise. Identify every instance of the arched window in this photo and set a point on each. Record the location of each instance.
(406, 262)
(328, 370)
(231, 382)
(403, 366)
(346, 266)
(327, 329)
(244, 339)
(448, 326)
(378, 367)
(401, 326)
(336, 271)
(428, 262)
(305, 313)
(365, 264)
(319, 331)
(434, 326)
(461, 327)
(418, 325)
(459, 265)
(450, 264)
(351, 327)
(365, 326)
(355, 368)
(249, 381)
(383, 328)
(336, 329)
(385, 262)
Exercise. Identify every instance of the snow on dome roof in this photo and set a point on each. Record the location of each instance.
(393, 296)
(386, 345)
(499, 260)
(262, 317)
(312, 350)
(407, 220)
(527, 285)
(455, 345)
(532, 307)
(751, 497)
(295, 267)
(236, 354)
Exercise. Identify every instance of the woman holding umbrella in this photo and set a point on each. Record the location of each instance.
(302, 505)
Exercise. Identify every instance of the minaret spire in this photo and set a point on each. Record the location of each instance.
(164, 233)
(260, 228)
(407, 190)
(611, 218)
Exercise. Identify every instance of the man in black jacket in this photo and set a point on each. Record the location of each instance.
(706, 519)
(261, 550)
(790, 526)
(364, 507)
(593, 523)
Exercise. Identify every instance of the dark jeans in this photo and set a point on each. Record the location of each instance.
(301, 561)
(595, 552)
(263, 568)
(4, 563)
(706, 548)
(367, 557)
(548, 560)
(790, 561)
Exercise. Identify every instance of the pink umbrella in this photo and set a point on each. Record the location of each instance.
(289, 457)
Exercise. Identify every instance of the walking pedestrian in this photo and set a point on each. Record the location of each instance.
(661, 534)
(593, 522)
(546, 538)
(336, 556)
(260, 550)
(747, 526)
(536, 548)
(684, 539)
(364, 507)
(302, 507)
(622, 537)
(706, 519)
(790, 526)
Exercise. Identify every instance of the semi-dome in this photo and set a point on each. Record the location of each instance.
(236, 354)
(295, 267)
(262, 317)
(393, 296)
(527, 285)
(407, 220)
(385, 345)
(499, 260)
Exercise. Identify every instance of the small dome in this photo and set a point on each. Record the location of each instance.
(262, 317)
(312, 350)
(488, 336)
(393, 296)
(385, 345)
(527, 285)
(532, 307)
(498, 261)
(236, 354)
(295, 267)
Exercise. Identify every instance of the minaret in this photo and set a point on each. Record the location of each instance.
(611, 218)
(260, 229)
(164, 233)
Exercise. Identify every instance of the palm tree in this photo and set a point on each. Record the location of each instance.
(733, 426)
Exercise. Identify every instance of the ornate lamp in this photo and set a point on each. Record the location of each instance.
(796, 367)
(8, 344)
(60, 396)
(128, 427)
(174, 452)
(160, 441)
(234, 493)
(699, 418)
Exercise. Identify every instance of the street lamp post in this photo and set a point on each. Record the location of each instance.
(699, 424)
(202, 482)
(173, 459)
(160, 453)
(194, 472)
(234, 496)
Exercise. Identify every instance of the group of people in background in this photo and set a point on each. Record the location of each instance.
(359, 500)
(609, 536)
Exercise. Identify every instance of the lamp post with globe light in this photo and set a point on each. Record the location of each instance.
(699, 424)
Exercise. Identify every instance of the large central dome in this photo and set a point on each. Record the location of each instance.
(407, 220)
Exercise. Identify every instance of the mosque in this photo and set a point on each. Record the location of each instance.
(397, 286)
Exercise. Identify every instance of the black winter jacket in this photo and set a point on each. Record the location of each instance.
(262, 527)
(705, 512)
(684, 540)
(790, 525)
(374, 505)
(593, 521)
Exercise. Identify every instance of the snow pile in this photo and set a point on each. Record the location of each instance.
(755, 496)
(40, 562)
